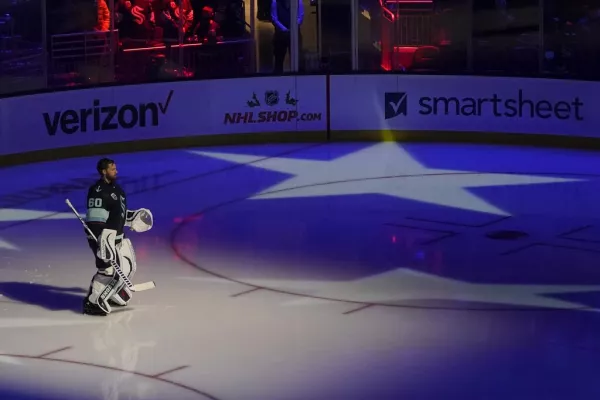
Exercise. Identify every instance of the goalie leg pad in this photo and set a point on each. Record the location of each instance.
(128, 255)
(128, 265)
(107, 248)
(102, 288)
(122, 296)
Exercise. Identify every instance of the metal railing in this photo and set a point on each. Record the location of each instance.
(82, 58)
(400, 30)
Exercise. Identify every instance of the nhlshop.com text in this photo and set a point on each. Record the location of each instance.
(266, 117)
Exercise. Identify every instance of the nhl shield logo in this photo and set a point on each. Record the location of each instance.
(271, 97)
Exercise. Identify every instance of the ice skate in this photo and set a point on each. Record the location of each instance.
(90, 308)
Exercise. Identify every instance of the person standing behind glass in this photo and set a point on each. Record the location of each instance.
(281, 19)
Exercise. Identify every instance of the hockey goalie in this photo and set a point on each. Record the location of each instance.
(107, 216)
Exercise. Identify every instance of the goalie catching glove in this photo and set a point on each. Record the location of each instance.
(139, 220)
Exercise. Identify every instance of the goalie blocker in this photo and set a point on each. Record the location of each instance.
(106, 216)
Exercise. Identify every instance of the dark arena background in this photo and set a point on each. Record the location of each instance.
(351, 199)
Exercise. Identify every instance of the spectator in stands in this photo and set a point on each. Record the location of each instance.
(137, 21)
(103, 23)
(281, 19)
(175, 16)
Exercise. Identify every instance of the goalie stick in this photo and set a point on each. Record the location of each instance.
(134, 288)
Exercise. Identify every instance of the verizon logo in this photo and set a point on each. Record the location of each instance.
(106, 117)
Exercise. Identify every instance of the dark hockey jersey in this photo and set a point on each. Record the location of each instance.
(106, 208)
(137, 18)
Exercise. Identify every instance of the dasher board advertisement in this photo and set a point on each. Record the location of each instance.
(460, 103)
(94, 116)
(270, 104)
(162, 110)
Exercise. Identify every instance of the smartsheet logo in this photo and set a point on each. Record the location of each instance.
(495, 106)
(395, 104)
(491, 105)
(106, 117)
